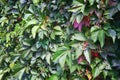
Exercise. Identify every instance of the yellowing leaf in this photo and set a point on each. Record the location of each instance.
(89, 75)
(11, 65)
(36, 1)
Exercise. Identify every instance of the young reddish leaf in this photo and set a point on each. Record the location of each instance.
(84, 22)
(89, 75)
(80, 59)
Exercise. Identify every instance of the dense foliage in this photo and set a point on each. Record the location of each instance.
(59, 39)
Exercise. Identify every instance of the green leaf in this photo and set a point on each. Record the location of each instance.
(79, 51)
(79, 37)
(69, 61)
(112, 34)
(48, 57)
(60, 52)
(4, 71)
(101, 36)
(79, 18)
(16, 67)
(58, 33)
(58, 28)
(41, 34)
(34, 48)
(1, 76)
(94, 28)
(73, 18)
(81, 1)
(3, 2)
(94, 36)
(62, 61)
(106, 26)
(96, 72)
(31, 22)
(91, 2)
(36, 1)
(34, 30)
(53, 77)
(73, 68)
(12, 65)
(3, 20)
(26, 42)
(8, 37)
(87, 54)
(78, 7)
(19, 74)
